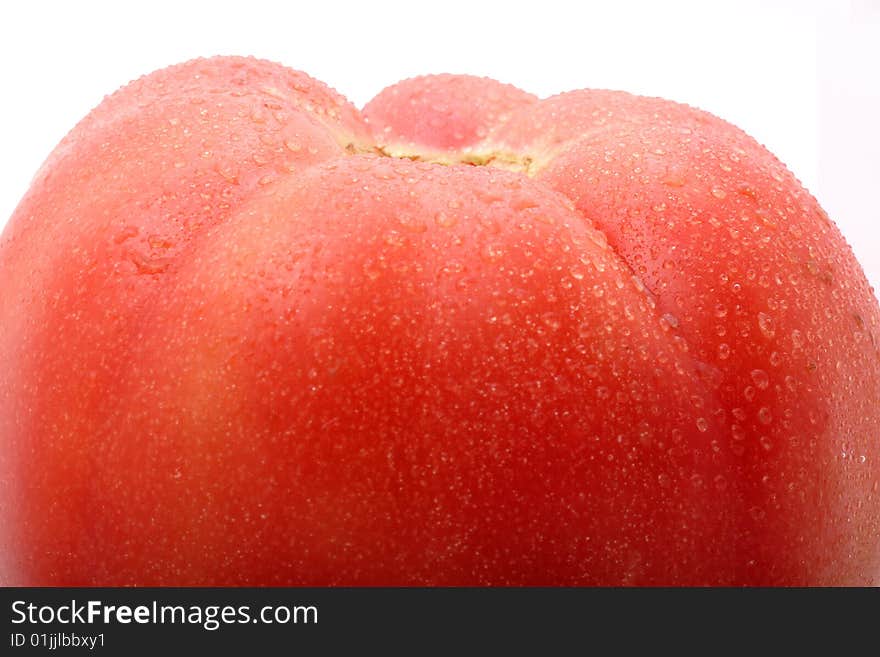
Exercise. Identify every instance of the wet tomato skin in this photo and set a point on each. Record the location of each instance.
(250, 335)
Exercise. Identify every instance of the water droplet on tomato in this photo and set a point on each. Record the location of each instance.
(766, 324)
(757, 513)
(670, 319)
(148, 266)
(761, 379)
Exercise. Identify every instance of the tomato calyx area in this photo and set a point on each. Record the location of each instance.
(496, 158)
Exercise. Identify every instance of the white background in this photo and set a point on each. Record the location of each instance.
(802, 77)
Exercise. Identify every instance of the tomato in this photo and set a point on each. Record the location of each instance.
(251, 335)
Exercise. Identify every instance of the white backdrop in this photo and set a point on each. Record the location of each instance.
(802, 77)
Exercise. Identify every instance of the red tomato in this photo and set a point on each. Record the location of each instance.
(250, 335)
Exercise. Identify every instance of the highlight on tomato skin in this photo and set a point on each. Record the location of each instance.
(251, 335)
